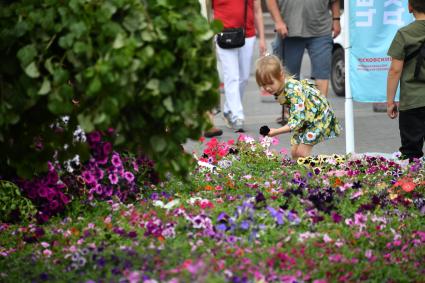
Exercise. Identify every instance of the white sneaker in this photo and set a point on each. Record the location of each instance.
(237, 126)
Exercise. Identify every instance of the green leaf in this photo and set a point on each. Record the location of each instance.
(168, 103)
(66, 41)
(119, 41)
(79, 47)
(100, 118)
(162, 3)
(147, 35)
(60, 76)
(32, 71)
(133, 22)
(45, 87)
(94, 86)
(85, 123)
(217, 26)
(78, 29)
(167, 86)
(153, 84)
(158, 143)
(27, 54)
(49, 66)
(207, 35)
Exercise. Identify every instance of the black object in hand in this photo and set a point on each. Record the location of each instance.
(264, 130)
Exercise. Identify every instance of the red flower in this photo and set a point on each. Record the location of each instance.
(408, 186)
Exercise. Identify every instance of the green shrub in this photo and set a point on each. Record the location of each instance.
(13, 206)
(144, 68)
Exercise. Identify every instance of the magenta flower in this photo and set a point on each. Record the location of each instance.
(99, 173)
(98, 189)
(88, 177)
(113, 178)
(64, 198)
(109, 191)
(129, 176)
(43, 191)
(54, 205)
(107, 148)
(94, 137)
(116, 160)
(50, 194)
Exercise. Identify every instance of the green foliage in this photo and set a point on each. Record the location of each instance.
(13, 206)
(144, 68)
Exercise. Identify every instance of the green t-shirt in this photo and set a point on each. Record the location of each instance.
(407, 40)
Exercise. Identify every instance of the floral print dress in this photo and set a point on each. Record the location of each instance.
(311, 118)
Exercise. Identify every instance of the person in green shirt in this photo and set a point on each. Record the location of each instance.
(411, 109)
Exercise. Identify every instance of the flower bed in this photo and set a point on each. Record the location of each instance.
(245, 214)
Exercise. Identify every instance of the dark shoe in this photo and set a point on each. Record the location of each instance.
(214, 132)
(282, 120)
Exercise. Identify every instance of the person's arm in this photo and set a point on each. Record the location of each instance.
(278, 131)
(259, 25)
(336, 18)
(394, 74)
(280, 25)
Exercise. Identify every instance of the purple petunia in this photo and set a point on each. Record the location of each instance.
(88, 177)
(94, 137)
(107, 148)
(116, 160)
(113, 178)
(129, 176)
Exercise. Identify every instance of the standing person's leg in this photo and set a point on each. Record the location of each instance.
(229, 62)
(277, 47)
(245, 61)
(412, 132)
(278, 50)
(320, 52)
(292, 56)
(293, 49)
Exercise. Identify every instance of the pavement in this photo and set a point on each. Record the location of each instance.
(374, 132)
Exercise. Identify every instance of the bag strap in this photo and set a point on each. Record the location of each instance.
(420, 54)
(419, 60)
(414, 53)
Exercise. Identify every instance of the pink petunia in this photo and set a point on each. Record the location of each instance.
(113, 178)
(47, 253)
(129, 176)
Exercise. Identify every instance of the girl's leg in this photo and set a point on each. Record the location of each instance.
(294, 149)
(301, 150)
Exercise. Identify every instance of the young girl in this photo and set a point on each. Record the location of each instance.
(311, 118)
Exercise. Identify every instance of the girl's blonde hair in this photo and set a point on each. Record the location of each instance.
(267, 68)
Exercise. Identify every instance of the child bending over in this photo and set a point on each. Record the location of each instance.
(311, 118)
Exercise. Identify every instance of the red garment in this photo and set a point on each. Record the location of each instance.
(231, 13)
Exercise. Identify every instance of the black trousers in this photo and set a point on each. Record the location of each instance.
(412, 132)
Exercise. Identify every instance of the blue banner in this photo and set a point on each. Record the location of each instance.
(373, 24)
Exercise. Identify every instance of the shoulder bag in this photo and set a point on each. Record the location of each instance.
(230, 38)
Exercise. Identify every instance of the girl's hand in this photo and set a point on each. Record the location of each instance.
(282, 130)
